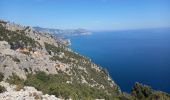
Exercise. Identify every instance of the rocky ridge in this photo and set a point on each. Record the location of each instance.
(67, 32)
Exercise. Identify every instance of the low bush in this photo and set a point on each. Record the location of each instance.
(141, 91)
(1, 76)
(2, 89)
(19, 87)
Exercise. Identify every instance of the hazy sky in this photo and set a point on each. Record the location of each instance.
(89, 14)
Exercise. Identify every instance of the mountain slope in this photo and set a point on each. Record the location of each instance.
(26, 54)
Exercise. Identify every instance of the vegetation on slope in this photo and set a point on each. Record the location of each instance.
(69, 55)
(58, 86)
(144, 92)
(17, 40)
(92, 76)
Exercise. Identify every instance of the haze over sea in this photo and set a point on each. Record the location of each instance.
(130, 56)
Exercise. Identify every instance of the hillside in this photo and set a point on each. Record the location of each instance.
(26, 53)
(38, 60)
(66, 32)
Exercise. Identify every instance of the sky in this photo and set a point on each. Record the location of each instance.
(88, 14)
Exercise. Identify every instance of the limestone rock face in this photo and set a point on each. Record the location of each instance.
(22, 60)
(15, 61)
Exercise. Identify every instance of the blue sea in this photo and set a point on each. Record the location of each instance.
(130, 56)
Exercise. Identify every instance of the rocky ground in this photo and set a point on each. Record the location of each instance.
(26, 93)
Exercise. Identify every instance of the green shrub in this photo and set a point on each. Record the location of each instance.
(141, 91)
(42, 76)
(144, 92)
(14, 79)
(1, 76)
(158, 95)
(19, 87)
(2, 89)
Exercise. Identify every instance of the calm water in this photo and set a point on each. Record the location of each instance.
(130, 56)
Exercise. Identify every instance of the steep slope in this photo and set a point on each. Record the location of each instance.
(33, 58)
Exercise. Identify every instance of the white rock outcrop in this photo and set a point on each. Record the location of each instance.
(27, 93)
